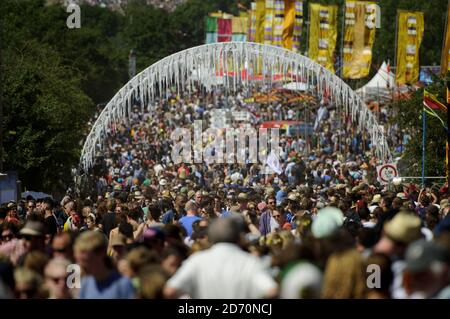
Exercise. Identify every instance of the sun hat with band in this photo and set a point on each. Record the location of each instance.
(32, 228)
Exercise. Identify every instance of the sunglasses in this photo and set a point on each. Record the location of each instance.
(29, 238)
(271, 203)
(276, 216)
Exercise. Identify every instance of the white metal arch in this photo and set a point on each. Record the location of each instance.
(178, 70)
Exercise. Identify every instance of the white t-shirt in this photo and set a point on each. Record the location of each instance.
(223, 272)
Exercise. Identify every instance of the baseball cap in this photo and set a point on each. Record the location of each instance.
(423, 254)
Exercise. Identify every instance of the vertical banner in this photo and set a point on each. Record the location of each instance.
(238, 29)
(260, 18)
(445, 59)
(323, 34)
(224, 30)
(288, 24)
(409, 37)
(211, 29)
(268, 23)
(359, 36)
(278, 23)
(298, 26)
(252, 23)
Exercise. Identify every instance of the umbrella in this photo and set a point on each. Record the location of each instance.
(36, 195)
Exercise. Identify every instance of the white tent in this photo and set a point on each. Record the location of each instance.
(380, 87)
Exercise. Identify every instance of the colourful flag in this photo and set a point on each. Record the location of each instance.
(409, 38)
(239, 29)
(252, 28)
(260, 19)
(323, 34)
(288, 24)
(211, 29)
(224, 30)
(278, 23)
(298, 26)
(359, 36)
(268, 23)
(431, 104)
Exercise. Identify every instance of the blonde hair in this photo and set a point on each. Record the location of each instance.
(56, 262)
(91, 241)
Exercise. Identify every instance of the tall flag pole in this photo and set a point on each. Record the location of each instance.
(424, 129)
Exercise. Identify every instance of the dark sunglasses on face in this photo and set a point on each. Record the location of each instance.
(28, 237)
(276, 216)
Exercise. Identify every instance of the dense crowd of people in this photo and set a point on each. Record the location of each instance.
(149, 228)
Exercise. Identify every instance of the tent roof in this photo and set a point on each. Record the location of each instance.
(380, 85)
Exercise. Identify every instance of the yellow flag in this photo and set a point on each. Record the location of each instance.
(445, 60)
(252, 23)
(278, 20)
(260, 19)
(298, 26)
(359, 35)
(323, 34)
(409, 38)
(268, 23)
(288, 24)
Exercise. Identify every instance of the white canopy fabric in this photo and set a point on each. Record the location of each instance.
(380, 87)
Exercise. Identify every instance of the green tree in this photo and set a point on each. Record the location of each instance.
(409, 119)
(147, 31)
(45, 112)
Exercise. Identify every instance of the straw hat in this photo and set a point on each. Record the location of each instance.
(404, 227)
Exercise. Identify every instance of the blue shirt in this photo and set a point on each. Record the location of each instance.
(114, 287)
(187, 222)
(168, 217)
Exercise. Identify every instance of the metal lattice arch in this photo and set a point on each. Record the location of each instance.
(180, 70)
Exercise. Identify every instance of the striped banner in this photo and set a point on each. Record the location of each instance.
(323, 34)
(268, 22)
(298, 26)
(278, 23)
(252, 29)
(409, 39)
